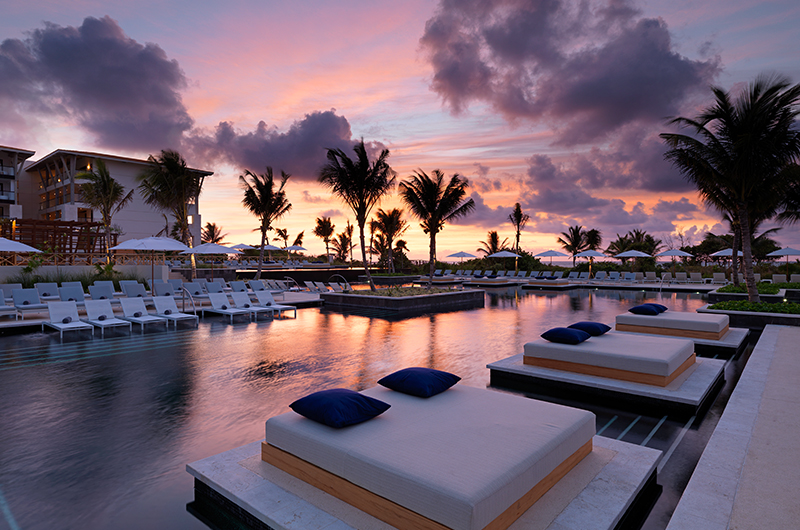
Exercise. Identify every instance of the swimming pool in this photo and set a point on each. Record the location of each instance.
(96, 433)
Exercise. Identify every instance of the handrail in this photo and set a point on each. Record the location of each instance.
(349, 287)
(184, 292)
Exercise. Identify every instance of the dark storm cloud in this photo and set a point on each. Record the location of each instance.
(300, 151)
(125, 93)
(680, 209)
(484, 215)
(557, 190)
(589, 68)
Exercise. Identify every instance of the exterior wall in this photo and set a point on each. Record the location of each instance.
(142, 271)
(11, 161)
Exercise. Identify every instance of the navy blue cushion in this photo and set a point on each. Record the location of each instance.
(339, 407)
(644, 309)
(420, 382)
(595, 329)
(660, 308)
(565, 335)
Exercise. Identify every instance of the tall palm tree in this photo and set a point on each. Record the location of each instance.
(573, 241)
(492, 243)
(298, 240)
(594, 239)
(324, 231)
(435, 203)
(282, 234)
(265, 202)
(348, 231)
(169, 185)
(343, 243)
(105, 194)
(740, 154)
(212, 233)
(620, 245)
(360, 184)
(391, 225)
(518, 220)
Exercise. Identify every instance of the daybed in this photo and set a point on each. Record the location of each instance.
(637, 358)
(677, 324)
(464, 459)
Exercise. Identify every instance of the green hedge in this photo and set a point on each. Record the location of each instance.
(763, 288)
(789, 308)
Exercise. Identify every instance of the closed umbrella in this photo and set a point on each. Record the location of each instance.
(788, 251)
(211, 248)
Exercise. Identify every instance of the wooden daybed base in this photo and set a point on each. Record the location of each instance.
(673, 332)
(611, 373)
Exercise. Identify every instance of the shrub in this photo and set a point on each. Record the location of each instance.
(789, 308)
(763, 288)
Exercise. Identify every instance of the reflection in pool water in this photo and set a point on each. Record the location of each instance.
(96, 434)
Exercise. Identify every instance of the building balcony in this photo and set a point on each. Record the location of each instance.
(7, 172)
(7, 196)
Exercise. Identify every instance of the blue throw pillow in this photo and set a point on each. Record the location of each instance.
(644, 309)
(420, 382)
(660, 308)
(339, 407)
(595, 329)
(565, 335)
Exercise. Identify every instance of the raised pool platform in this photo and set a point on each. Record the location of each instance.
(612, 488)
(688, 395)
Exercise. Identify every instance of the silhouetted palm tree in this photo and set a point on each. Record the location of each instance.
(573, 241)
(212, 233)
(492, 243)
(265, 202)
(343, 243)
(324, 231)
(434, 203)
(594, 239)
(391, 225)
(742, 153)
(622, 244)
(518, 220)
(360, 184)
(105, 194)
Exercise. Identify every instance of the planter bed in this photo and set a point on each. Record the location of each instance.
(715, 296)
(754, 320)
(427, 303)
(389, 280)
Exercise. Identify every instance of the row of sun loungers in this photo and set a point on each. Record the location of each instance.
(718, 278)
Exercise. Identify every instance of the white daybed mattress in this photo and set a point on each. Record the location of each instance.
(705, 322)
(460, 458)
(644, 354)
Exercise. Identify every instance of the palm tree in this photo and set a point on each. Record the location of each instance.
(493, 244)
(265, 202)
(434, 203)
(324, 231)
(622, 244)
(348, 231)
(573, 241)
(282, 235)
(105, 194)
(594, 239)
(169, 185)
(298, 240)
(519, 220)
(390, 225)
(343, 243)
(360, 184)
(741, 154)
(212, 234)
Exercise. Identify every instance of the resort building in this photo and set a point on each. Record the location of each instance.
(48, 190)
(11, 162)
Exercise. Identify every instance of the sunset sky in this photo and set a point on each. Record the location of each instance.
(541, 102)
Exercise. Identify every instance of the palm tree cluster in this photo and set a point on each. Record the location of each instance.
(635, 240)
(212, 233)
(324, 231)
(388, 226)
(493, 244)
(576, 239)
(742, 155)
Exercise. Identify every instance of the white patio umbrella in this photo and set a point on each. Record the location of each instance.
(242, 246)
(9, 245)
(633, 254)
(673, 253)
(211, 248)
(788, 251)
(591, 254)
(505, 254)
(153, 245)
(461, 255)
(726, 253)
(550, 254)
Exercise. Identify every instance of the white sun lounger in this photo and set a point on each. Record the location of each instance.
(64, 317)
(265, 299)
(8, 288)
(134, 311)
(637, 358)
(467, 458)
(221, 305)
(27, 300)
(166, 308)
(242, 301)
(47, 291)
(677, 324)
(135, 290)
(100, 315)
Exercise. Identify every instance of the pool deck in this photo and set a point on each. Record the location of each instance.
(749, 472)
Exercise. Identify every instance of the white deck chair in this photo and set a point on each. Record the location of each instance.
(312, 288)
(64, 317)
(613, 276)
(321, 287)
(695, 277)
(164, 289)
(221, 305)
(166, 308)
(257, 285)
(27, 300)
(47, 291)
(584, 277)
(8, 310)
(72, 293)
(238, 286)
(8, 288)
(196, 291)
(650, 277)
(100, 315)
(135, 290)
(265, 299)
(600, 276)
(134, 311)
(242, 301)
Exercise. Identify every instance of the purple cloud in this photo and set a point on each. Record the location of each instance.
(124, 93)
(589, 68)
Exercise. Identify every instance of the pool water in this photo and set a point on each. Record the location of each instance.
(96, 434)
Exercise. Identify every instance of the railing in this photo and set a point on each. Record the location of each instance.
(65, 259)
(7, 196)
(7, 171)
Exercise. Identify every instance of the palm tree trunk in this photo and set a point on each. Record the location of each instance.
(744, 226)
(261, 253)
(108, 244)
(432, 263)
(364, 256)
(391, 260)
(737, 238)
(327, 252)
